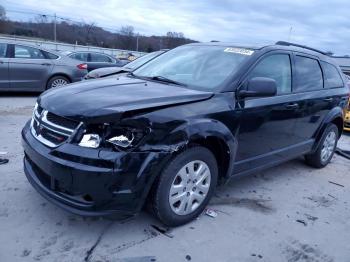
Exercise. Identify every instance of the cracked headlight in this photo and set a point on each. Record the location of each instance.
(90, 140)
(125, 137)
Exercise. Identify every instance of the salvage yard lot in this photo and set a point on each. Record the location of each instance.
(289, 213)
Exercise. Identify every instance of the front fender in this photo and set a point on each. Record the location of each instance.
(191, 130)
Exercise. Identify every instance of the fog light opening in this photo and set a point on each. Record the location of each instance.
(88, 198)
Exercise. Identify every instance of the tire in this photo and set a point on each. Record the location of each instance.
(326, 148)
(57, 81)
(197, 190)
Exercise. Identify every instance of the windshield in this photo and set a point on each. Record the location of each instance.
(142, 60)
(198, 67)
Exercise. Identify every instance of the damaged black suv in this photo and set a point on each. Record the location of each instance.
(169, 132)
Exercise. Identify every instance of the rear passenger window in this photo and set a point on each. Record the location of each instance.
(278, 68)
(309, 74)
(331, 76)
(28, 52)
(50, 55)
(80, 56)
(100, 58)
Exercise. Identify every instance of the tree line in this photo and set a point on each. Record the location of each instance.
(89, 34)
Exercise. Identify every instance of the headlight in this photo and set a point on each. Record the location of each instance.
(122, 140)
(125, 137)
(90, 140)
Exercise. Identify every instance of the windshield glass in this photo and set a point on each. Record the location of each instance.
(198, 67)
(142, 60)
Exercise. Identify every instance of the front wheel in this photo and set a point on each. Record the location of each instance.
(185, 186)
(325, 151)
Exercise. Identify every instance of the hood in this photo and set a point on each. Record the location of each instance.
(109, 97)
(105, 71)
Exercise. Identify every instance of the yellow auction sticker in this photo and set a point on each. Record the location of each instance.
(241, 51)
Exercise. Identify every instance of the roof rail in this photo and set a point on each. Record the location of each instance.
(302, 46)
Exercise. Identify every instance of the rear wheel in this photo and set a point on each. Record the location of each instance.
(325, 151)
(57, 81)
(185, 186)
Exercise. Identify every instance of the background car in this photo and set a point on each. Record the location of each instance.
(110, 71)
(95, 60)
(31, 68)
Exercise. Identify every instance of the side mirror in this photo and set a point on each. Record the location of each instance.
(259, 87)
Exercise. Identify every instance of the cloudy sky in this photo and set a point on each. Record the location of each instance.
(319, 23)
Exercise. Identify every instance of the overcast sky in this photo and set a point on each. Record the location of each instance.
(319, 23)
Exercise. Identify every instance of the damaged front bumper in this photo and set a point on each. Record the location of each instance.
(91, 182)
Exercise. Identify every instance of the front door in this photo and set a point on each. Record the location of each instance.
(28, 68)
(267, 125)
(4, 67)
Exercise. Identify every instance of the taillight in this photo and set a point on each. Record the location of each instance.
(82, 66)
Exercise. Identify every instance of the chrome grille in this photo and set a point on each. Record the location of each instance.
(50, 129)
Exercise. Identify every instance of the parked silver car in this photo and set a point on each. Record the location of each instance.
(95, 60)
(30, 68)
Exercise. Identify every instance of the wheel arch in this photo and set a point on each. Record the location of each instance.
(335, 116)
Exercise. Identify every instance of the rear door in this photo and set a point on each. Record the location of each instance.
(4, 67)
(28, 68)
(315, 101)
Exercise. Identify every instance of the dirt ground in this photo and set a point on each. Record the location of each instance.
(288, 213)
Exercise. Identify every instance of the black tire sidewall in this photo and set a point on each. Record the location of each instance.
(162, 207)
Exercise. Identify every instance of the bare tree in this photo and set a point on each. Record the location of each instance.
(174, 39)
(2, 19)
(127, 37)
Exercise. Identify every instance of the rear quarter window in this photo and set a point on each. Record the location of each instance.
(332, 78)
(308, 74)
(50, 55)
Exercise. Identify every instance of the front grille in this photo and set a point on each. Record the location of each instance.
(50, 129)
(62, 121)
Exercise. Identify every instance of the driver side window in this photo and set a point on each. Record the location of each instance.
(278, 68)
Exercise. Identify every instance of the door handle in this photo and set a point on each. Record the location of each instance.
(46, 64)
(292, 106)
(328, 99)
(1, 62)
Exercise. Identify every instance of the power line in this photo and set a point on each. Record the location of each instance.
(62, 18)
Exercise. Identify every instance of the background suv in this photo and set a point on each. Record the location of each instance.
(30, 68)
(171, 129)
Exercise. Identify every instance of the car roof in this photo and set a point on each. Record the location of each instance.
(280, 45)
(31, 45)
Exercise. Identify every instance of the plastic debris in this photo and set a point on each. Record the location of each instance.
(301, 222)
(3, 161)
(211, 213)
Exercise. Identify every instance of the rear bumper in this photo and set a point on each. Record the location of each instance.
(90, 182)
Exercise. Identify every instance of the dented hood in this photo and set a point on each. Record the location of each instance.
(109, 97)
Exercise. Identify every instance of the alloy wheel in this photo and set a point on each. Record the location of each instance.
(328, 146)
(59, 82)
(190, 187)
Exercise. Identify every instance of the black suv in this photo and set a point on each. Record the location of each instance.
(169, 132)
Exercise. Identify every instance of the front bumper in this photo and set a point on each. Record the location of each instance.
(90, 182)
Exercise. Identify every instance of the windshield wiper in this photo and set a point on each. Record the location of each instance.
(167, 80)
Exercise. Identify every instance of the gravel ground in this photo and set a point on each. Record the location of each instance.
(289, 213)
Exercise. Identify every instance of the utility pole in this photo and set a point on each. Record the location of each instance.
(137, 42)
(290, 33)
(54, 28)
